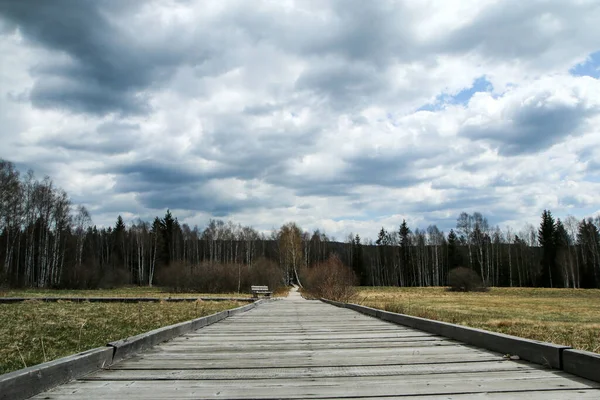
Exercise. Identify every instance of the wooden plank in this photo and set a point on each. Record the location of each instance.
(141, 362)
(313, 372)
(202, 347)
(167, 352)
(311, 336)
(491, 378)
(298, 388)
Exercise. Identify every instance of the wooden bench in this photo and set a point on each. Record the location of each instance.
(264, 290)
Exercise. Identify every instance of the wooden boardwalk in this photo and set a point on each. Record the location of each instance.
(298, 349)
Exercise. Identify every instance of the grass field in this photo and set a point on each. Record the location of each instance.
(32, 332)
(562, 316)
(128, 291)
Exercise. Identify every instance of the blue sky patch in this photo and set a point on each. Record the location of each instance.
(480, 84)
(590, 67)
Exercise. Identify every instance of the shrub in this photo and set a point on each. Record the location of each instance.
(114, 278)
(463, 279)
(219, 278)
(264, 272)
(330, 279)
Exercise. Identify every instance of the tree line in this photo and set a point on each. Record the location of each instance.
(556, 254)
(46, 241)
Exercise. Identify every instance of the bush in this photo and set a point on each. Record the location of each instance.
(463, 279)
(330, 279)
(219, 278)
(114, 278)
(265, 272)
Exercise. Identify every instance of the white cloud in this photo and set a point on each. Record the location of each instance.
(300, 110)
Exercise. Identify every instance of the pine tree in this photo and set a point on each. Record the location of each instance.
(588, 237)
(357, 259)
(404, 234)
(453, 255)
(382, 239)
(118, 240)
(167, 225)
(550, 276)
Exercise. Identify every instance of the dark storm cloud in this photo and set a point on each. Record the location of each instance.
(356, 30)
(343, 85)
(521, 30)
(533, 126)
(147, 175)
(247, 153)
(161, 185)
(103, 66)
(200, 198)
(109, 138)
(392, 171)
(262, 109)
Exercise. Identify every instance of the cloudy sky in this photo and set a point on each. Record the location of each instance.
(343, 115)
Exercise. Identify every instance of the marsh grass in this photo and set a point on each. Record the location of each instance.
(282, 291)
(568, 317)
(32, 332)
(127, 291)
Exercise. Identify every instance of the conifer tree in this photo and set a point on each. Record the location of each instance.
(550, 276)
(357, 259)
(453, 255)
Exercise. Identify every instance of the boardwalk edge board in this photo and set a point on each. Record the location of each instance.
(547, 354)
(582, 363)
(30, 381)
(27, 382)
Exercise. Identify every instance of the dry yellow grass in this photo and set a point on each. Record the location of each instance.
(563, 316)
(128, 291)
(33, 332)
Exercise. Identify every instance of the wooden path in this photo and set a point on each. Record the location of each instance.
(298, 349)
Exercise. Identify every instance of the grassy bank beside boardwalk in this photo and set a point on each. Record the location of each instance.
(568, 317)
(33, 332)
(128, 291)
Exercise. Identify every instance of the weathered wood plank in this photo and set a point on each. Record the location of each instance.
(199, 347)
(315, 388)
(311, 336)
(313, 372)
(394, 352)
(137, 363)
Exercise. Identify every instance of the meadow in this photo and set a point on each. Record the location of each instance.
(33, 332)
(127, 291)
(562, 316)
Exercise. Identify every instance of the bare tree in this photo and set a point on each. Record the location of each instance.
(290, 243)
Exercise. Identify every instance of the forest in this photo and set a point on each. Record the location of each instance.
(48, 242)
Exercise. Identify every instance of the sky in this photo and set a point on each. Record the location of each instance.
(340, 115)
